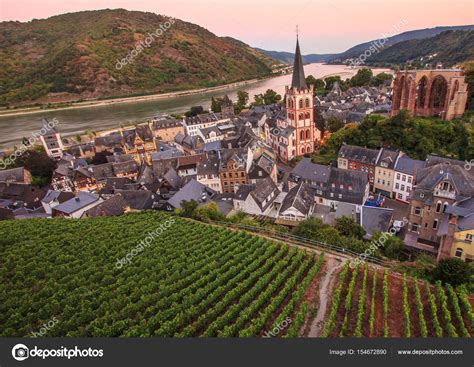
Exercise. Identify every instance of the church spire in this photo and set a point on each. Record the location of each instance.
(298, 80)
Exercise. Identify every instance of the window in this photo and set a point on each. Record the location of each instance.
(404, 178)
(468, 237)
(414, 227)
(397, 186)
(445, 205)
(307, 102)
(398, 176)
(435, 224)
(446, 186)
(403, 188)
(400, 196)
(301, 103)
(438, 207)
(458, 252)
(426, 224)
(409, 179)
(417, 211)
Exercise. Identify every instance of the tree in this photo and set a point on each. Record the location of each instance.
(242, 98)
(194, 111)
(380, 78)
(453, 271)
(216, 104)
(269, 97)
(208, 211)
(188, 208)
(317, 83)
(362, 78)
(37, 162)
(334, 124)
(348, 227)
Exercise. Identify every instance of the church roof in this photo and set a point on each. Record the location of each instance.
(298, 80)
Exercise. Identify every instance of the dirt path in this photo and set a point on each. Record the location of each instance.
(318, 323)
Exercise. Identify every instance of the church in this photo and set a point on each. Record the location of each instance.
(293, 133)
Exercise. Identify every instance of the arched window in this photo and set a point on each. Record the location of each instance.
(300, 116)
(308, 136)
(302, 150)
(301, 103)
(459, 252)
(301, 135)
(438, 207)
(308, 150)
(307, 102)
(445, 205)
(308, 115)
(291, 103)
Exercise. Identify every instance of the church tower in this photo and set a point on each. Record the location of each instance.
(299, 109)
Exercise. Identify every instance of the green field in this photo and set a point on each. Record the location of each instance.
(190, 280)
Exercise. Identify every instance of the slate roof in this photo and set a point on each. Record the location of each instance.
(13, 175)
(193, 190)
(376, 219)
(138, 199)
(82, 199)
(30, 196)
(298, 80)
(307, 170)
(408, 166)
(59, 196)
(359, 154)
(388, 157)
(300, 197)
(113, 206)
(172, 178)
(209, 166)
(263, 191)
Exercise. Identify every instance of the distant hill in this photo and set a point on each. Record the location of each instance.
(448, 47)
(288, 57)
(73, 56)
(419, 34)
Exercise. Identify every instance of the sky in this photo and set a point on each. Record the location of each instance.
(325, 26)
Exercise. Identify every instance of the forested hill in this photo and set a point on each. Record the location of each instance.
(448, 47)
(74, 56)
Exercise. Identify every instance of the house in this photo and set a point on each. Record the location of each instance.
(166, 128)
(139, 142)
(298, 204)
(208, 172)
(193, 190)
(385, 171)
(189, 144)
(53, 198)
(75, 207)
(457, 232)
(441, 184)
(187, 165)
(22, 195)
(19, 174)
(114, 206)
(234, 165)
(109, 143)
(359, 159)
(375, 219)
(51, 141)
(139, 199)
(256, 199)
(405, 177)
(331, 185)
(263, 167)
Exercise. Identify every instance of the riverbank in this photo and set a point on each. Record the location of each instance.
(121, 100)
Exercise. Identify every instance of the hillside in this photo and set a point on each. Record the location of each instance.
(449, 47)
(73, 56)
(288, 57)
(418, 34)
(193, 279)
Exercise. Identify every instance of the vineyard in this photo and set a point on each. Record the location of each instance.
(371, 303)
(193, 279)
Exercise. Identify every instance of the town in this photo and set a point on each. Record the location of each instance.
(258, 162)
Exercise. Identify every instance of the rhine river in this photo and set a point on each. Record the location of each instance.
(76, 121)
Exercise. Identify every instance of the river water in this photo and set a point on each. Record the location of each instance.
(75, 121)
